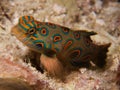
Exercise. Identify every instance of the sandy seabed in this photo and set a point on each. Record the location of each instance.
(101, 16)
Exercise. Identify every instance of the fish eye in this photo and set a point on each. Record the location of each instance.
(31, 31)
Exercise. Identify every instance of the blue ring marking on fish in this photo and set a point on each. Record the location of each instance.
(57, 36)
(46, 31)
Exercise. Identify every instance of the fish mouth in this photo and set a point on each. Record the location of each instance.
(13, 30)
(18, 33)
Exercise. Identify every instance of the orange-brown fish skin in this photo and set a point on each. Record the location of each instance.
(69, 48)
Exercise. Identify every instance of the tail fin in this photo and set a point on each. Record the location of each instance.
(101, 55)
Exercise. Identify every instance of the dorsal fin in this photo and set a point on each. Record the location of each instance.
(86, 33)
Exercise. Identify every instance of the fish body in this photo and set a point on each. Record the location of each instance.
(71, 47)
